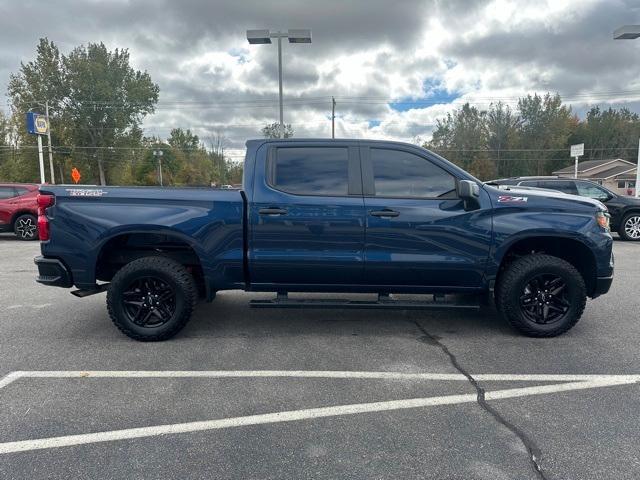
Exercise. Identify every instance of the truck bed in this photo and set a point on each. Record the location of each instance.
(85, 220)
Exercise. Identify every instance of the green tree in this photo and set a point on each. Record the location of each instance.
(97, 102)
(545, 128)
(275, 130)
(462, 137)
(502, 131)
(4, 130)
(107, 98)
(38, 81)
(195, 167)
(183, 140)
(609, 133)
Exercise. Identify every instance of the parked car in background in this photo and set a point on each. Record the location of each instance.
(624, 210)
(19, 210)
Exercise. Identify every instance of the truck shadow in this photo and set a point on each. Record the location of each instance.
(230, 316)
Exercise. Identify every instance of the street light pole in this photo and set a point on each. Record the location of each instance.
(158, 154)
(280, 84)
(333, 117)
(261, 37)
(42, 179)
(46, 113)
(631, 32)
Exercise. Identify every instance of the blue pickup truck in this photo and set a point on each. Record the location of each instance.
(346, 216)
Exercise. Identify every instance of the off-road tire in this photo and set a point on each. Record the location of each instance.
(517, 276)
(170, 273)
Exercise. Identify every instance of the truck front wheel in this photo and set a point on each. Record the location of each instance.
(151, 298)
(541, 295)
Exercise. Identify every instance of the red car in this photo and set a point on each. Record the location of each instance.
(19, 210)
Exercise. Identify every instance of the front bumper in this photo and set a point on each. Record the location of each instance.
(603, 284)
(53, 272)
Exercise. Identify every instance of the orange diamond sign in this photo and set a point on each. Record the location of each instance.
(75, 175)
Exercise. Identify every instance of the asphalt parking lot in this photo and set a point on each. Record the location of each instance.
(246, 393)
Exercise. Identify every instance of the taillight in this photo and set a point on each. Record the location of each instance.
(44, 201)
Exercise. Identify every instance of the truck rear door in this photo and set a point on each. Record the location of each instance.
(306, 216)
(418, 233)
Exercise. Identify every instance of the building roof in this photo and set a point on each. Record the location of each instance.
(584, 167)
(612, 172)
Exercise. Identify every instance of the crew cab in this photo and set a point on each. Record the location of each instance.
(624, 210)
(343, 216)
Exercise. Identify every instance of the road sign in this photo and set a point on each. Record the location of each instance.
(37, 123)
(75, 175)
(577, 150)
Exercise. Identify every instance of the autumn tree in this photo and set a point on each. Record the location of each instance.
(275, 130)
(503, 134)
(462, 137)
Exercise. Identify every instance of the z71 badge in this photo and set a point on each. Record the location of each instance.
(85, 192)
(511, 199)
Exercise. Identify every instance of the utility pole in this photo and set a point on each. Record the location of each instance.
(46, 114)
(333, 117)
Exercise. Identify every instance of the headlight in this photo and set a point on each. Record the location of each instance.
(603, 220)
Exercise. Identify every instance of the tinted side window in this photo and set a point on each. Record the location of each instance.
(310, 171)
(21, 191)
(592, 191)
(403, 174)
(6, 192)
(561, 186)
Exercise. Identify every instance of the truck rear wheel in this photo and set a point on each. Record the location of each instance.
(541, 295)
(151, 298)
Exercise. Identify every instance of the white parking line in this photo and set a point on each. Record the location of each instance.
(487, 377)
(571, 383)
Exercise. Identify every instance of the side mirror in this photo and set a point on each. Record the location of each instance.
(469, 192)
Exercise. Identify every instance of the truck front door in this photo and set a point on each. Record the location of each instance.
(306, 216)
(418, 233)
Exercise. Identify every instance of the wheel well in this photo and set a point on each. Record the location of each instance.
(17, 214)
(573, 251)
(634, 210)
(123, 249)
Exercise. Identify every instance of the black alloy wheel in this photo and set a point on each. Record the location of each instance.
(149, 302)
(544, 299)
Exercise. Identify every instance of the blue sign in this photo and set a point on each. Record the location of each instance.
(37, 123)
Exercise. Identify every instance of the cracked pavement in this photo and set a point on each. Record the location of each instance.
(551, 436)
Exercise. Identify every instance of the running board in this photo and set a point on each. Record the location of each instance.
(383, 303)
(86, 292)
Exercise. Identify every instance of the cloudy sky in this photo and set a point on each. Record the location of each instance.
(394, 67)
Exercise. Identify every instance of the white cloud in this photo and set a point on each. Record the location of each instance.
(364, 53)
